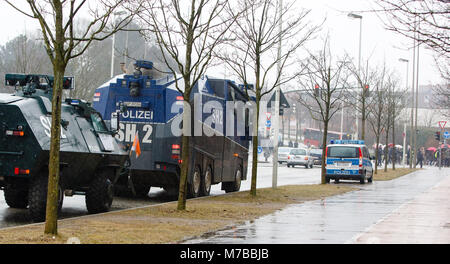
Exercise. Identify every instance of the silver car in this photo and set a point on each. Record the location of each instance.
(283, 154)
(300, 156)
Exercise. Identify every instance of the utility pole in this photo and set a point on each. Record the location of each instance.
(411, 150)
(277, 105)
(417, 104)
(352, 15)
(404, 125)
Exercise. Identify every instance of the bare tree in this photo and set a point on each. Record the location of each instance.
(187, 32)
(57, 19)
(254, 54)
(23, 54)
(397, 103)
(377, 117)
(432, 15)
(441, 97)
(360, 97)
(324, 82)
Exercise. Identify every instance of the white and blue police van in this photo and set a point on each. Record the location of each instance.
(348, 160)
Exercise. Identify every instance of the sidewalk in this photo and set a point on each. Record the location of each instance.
(426, 219)
(410, 209)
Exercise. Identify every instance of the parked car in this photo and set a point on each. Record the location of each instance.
(283, 153)
(299, 156)
(317, 155)
(348, 160)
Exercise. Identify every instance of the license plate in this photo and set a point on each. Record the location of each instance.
(343, 164)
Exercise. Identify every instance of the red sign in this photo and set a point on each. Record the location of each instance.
(442, 124)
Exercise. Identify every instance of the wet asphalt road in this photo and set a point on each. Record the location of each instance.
(339, 219)
(75, 206)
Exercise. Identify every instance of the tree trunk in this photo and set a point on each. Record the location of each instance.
(376, 153)
(394, 154)
(59, 66)
(363, 116)
(255, 149)
(324, 145)
(185, 150)
(386, 150)
(51, 215)
(182, 192)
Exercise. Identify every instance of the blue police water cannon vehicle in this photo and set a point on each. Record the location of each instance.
(348, 160)
(147, 113)
(90, 158)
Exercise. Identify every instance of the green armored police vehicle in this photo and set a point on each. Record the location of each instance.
(90, 157)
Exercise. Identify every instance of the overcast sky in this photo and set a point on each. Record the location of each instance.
(378, 43)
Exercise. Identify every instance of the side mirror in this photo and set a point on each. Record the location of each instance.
(115, 121)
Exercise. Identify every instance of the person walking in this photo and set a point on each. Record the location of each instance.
(420, 155)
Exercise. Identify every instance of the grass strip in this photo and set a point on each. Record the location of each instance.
(164, 224)
(391, 174)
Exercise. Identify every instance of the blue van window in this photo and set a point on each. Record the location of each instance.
(342, 152)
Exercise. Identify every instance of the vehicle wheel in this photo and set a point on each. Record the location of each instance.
(311, 166)
(194, 186)
(236, 184)
(336, 181)
(288, 165)
(205, 186)
(370, 179)
(99, 196)
(327, 180)
(37, 198)
(363, 179)
(306, 166)
(16, 196)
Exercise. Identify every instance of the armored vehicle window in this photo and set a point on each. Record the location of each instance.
(218, 87)
(98, 123)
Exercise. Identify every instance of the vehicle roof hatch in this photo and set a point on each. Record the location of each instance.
(7, 99)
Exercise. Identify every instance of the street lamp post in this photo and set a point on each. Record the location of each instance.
(277, 107)
(404, 125)
(114, 40)
(356, 16)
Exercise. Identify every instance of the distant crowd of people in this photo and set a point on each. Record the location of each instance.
(424, 157)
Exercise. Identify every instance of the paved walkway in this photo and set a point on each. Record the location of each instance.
(426, 219)
(411, 209)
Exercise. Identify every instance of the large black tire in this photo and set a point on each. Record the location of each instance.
(194, 185)
(363, 179)
(16, 196)
(99, 196)
(37, 198)
(205, 187)
(235, 185)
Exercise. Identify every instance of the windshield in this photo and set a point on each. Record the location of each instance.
(342, 152)
(283, 150)
(298, 152)
(316, 151)
(97, 123)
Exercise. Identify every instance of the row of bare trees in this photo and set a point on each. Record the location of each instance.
(186, 32)
(256, 39)
(328, 83)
